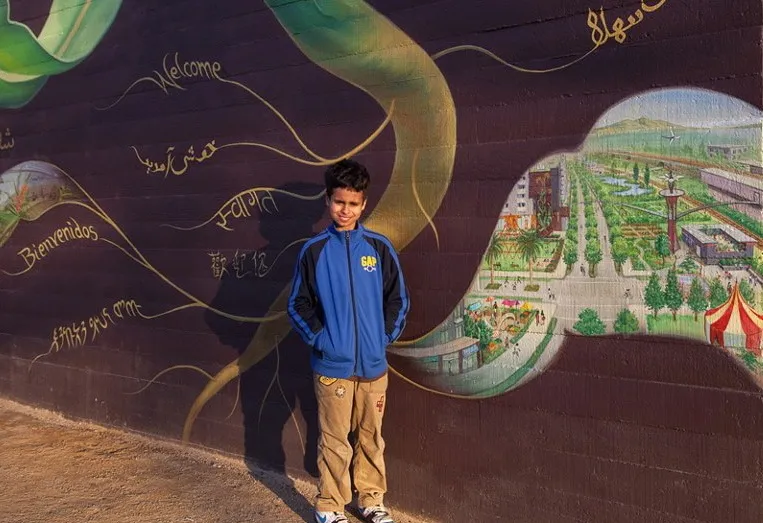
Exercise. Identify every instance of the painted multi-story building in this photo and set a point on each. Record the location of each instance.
(519, 208)
(551, 185)
(536, 188)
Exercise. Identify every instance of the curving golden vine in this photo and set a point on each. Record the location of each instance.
(389, 66)
(491, 54)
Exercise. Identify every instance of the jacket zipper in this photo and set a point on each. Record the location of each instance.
(352, 297)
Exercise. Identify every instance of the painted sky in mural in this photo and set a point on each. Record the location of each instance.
(653, 226)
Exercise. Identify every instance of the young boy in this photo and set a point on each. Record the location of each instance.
(348, 302)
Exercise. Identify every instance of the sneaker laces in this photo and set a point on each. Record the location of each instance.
(377, 514)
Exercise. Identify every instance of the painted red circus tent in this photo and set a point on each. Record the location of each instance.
(735, 324)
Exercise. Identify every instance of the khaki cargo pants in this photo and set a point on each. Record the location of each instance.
(346, 406)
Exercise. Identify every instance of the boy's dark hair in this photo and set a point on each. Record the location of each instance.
(347, 174)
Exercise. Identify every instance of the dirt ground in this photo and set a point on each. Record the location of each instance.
(53, 470)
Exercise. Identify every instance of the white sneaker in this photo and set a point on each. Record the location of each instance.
(376, 514)
(330, 517)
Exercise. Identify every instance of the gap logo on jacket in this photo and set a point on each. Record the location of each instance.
(348, 301)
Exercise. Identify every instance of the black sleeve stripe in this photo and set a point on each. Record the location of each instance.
(303, 307)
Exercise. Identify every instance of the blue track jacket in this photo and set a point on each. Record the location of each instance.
(348, 301)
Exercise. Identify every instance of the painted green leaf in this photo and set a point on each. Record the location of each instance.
(71, 32)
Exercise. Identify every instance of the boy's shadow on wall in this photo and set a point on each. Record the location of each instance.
(248, 288)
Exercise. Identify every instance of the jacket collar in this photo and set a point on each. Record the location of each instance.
(355, 234)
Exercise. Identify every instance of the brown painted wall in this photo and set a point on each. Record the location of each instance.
(637, 428)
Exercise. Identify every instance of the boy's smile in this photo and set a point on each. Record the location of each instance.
(345, 207)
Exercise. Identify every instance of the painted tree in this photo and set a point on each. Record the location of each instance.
(529, 245)
(572, 233)
(619, 252)
(653, 295)
(718, 294)
(635, 173)
(593, 256)
(673, 297)
(647, 176)
(747, 292)
(689, 266)
(570, 255)
(479, 330)
(697, 300)
(615, 232)
(495, 249)
(470, 326)
(626, 322)
(543, 214)
(485, 334)
(662, 246)
(589, 323)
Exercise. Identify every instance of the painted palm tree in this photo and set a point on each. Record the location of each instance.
(495, 248)
(529, 245)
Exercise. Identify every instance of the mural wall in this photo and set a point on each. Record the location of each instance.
(575, 191)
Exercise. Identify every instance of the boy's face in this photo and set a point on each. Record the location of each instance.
(345, 207)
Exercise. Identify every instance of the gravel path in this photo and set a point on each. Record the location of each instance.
(53, 470)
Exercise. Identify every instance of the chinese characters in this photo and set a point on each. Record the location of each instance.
(242, 264)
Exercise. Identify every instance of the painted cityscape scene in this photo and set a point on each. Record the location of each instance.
(653, 226)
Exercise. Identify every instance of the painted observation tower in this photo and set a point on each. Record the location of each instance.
(672, 195)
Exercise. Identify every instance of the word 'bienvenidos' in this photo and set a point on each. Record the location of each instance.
(37, 251)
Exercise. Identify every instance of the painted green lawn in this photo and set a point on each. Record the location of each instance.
(636, 254)
(512, 261)
(650, 256)
(684, 326)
